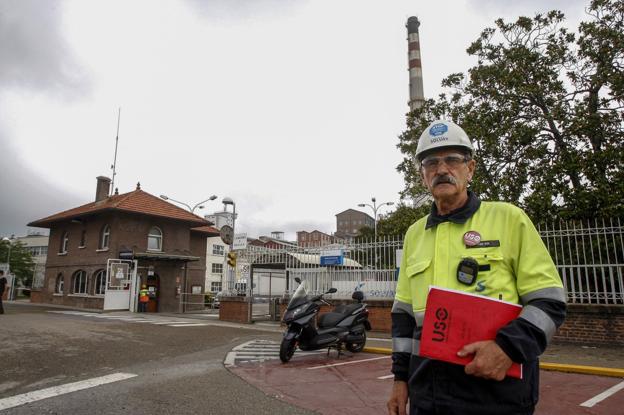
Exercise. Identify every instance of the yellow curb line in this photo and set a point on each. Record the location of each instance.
(556, 367)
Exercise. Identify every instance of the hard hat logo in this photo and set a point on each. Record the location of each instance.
(440, 134)
(438, 129)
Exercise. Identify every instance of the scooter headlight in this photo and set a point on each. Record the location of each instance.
(292, 314)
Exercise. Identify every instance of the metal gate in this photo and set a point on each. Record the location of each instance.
(266, 274)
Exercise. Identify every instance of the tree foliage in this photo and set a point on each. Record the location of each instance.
(20, 262)
(543, 107)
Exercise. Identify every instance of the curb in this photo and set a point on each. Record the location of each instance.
(554, 367)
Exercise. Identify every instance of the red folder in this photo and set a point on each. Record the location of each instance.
(454, 319)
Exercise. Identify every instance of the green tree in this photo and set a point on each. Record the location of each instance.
(543, 107)
(20, 263)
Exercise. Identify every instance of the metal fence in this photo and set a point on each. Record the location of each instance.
(589, 257)
(365, 265)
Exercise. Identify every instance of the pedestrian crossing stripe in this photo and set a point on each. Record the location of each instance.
(129, 319)
(257, 351)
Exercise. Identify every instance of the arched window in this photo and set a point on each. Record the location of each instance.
(59, 284)
(79, 282)
(105, 237)
(99, 282)
(154, 239)
(64, 242)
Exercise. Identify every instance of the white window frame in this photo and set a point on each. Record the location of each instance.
(105, 237)
(212, 268)
(99, 288)
(218, 250)
(214, 285)
(158, 237)
(59, 284)
(83, 290)
(64, 242)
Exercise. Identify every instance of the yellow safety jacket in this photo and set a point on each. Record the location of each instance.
(144, 296)
(513, 265)
(519, 263)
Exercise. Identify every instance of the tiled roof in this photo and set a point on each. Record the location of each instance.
(137, 201)
(207, 230)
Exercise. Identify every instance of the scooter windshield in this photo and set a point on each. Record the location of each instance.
(300, 296)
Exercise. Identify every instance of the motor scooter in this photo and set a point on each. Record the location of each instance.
(346, 325)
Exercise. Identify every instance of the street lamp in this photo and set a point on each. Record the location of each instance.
(375, 208)
(192, 210)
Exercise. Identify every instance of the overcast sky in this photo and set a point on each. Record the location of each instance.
(290, 107)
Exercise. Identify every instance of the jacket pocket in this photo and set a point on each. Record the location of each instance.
(417, 268)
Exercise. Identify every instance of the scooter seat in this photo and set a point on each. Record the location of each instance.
(330, 319)
(334, 317)
(346, 308)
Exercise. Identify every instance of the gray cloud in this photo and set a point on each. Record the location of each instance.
(498, 8)
(33, 53)
(33, 57)
(236, 9)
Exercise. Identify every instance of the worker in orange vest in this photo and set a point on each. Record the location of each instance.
(143, 299)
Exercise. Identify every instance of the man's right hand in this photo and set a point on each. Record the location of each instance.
(397, 403)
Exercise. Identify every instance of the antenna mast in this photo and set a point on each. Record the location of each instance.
(115, 159)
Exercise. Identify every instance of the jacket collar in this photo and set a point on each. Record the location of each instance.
(460, 215)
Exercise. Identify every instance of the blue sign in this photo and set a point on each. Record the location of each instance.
(333, 257)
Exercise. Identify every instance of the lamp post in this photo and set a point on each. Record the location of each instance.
(191, 209)
(375, 208)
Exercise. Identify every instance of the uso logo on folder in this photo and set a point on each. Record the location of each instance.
(454, 319)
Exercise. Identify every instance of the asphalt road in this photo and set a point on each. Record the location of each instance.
(178, 369)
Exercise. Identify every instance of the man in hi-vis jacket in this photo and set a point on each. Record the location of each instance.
(501, 256)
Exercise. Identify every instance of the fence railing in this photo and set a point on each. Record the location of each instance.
(589, 257)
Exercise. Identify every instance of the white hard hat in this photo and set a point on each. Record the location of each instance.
(443, 133)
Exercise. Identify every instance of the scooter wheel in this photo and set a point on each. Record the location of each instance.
(355, 347)
(287, 349)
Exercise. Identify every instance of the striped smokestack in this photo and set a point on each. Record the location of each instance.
(417, 95)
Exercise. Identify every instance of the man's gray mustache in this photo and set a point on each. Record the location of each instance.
(443, 179)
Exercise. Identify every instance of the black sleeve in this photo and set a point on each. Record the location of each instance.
(521, 340)
(403, 326)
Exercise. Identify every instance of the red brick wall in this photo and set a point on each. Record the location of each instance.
(234, 309)
(593, 324)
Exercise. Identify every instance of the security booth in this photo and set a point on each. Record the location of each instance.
(169, 279)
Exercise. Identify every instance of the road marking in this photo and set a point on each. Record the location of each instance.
(349, 363)
(258, 351)
(385, 377)
(136, 319)
(604, 395)
(34, 396)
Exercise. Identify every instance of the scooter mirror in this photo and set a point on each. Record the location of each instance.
(298, 280)
(331, 290)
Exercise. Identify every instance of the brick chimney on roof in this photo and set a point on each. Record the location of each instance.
(103, 188)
